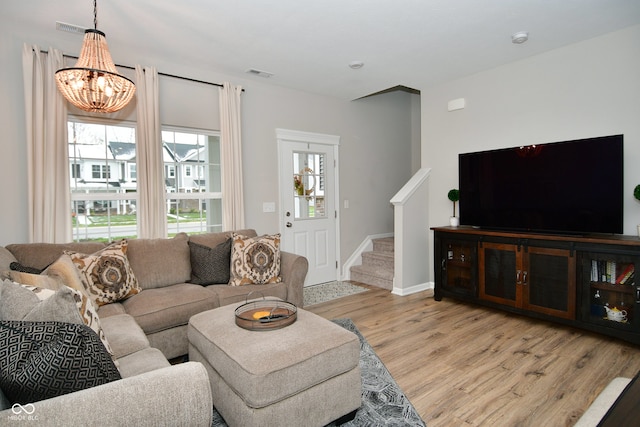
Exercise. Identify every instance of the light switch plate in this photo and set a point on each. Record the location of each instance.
(269, 207)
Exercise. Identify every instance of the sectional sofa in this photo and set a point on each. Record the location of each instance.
(146, 329)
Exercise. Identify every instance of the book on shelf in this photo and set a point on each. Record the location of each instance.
(603, 271)
(607, 271)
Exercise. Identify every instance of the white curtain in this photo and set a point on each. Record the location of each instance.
(231, 154)
(151, 209)
(47, 147)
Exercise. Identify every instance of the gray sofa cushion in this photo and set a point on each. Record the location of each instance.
(160, 262)
(112, 309)
(6, 258)
(142, 361)
(214, 239)
(170, 306)
(41, 255)
(41, 360)
(124, 335)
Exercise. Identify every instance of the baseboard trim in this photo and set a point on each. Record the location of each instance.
(413, 289)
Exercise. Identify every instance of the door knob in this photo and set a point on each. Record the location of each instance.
(289, 225)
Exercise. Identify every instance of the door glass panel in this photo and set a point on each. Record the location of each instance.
(309, 185)
(500, 268)
(547, 281)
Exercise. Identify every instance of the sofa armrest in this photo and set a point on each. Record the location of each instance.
(293, 270)
(175, 395)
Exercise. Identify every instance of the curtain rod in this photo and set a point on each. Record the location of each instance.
(159, 73)
(128, 67)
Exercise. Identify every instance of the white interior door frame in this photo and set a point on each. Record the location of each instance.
(333, 142)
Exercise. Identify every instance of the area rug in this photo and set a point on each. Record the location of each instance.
(324, 292)
(383, 402)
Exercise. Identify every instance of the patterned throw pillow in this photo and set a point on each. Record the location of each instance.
(106, 274)
(41, 360)
(25, 302)
(210, 266)
(255, 260)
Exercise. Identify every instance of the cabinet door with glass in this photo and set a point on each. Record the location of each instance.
(500, 269)
(528, 277)
(611, 295)
(549, 281)
(458, 267)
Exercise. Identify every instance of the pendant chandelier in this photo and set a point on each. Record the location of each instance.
(94, 84)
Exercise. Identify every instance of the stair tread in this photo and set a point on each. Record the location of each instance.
(375, 271)
(379, 254)
(383, 245)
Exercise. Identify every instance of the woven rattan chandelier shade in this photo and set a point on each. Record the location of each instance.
(94, 84)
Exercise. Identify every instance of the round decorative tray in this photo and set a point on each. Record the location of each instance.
(265, 314)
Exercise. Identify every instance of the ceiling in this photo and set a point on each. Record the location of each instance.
(308, 45)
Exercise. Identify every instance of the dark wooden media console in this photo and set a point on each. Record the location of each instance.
(583, 281)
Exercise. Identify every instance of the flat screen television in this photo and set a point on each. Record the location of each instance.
(572, 187)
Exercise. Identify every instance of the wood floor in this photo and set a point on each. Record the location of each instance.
(464, 365)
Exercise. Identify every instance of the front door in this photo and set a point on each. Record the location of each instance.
(308, 200)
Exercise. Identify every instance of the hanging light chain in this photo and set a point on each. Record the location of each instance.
(95, 14)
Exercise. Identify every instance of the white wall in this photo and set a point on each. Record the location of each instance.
(378, 136)
(583, 90)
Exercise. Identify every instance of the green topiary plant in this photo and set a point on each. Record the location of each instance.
(454, 196)
(636, 192)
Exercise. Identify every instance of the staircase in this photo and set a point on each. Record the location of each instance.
(377, 265)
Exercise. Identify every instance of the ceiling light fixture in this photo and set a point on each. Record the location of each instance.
(519, 37)
(356, 65)
(94, 84)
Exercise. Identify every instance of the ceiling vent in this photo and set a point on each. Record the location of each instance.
(69, 28)
(260, 73)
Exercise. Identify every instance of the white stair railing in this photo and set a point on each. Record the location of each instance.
(411, 231)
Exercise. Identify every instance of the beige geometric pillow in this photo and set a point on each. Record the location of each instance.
(255, 260)
(106, 274)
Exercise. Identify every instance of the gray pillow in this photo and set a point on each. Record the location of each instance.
(19, 303)
(210, 266)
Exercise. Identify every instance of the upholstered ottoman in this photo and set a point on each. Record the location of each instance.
(304, 374)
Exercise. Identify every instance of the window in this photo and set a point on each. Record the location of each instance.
(104, 200)
(75, 170)
(195, 198)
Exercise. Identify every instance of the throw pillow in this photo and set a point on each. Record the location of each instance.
(107, 274)
(64, 271)
(255, 260)
(210, 265)
(24, 302)
(21, 303)
(41, 360)
(39, 280)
